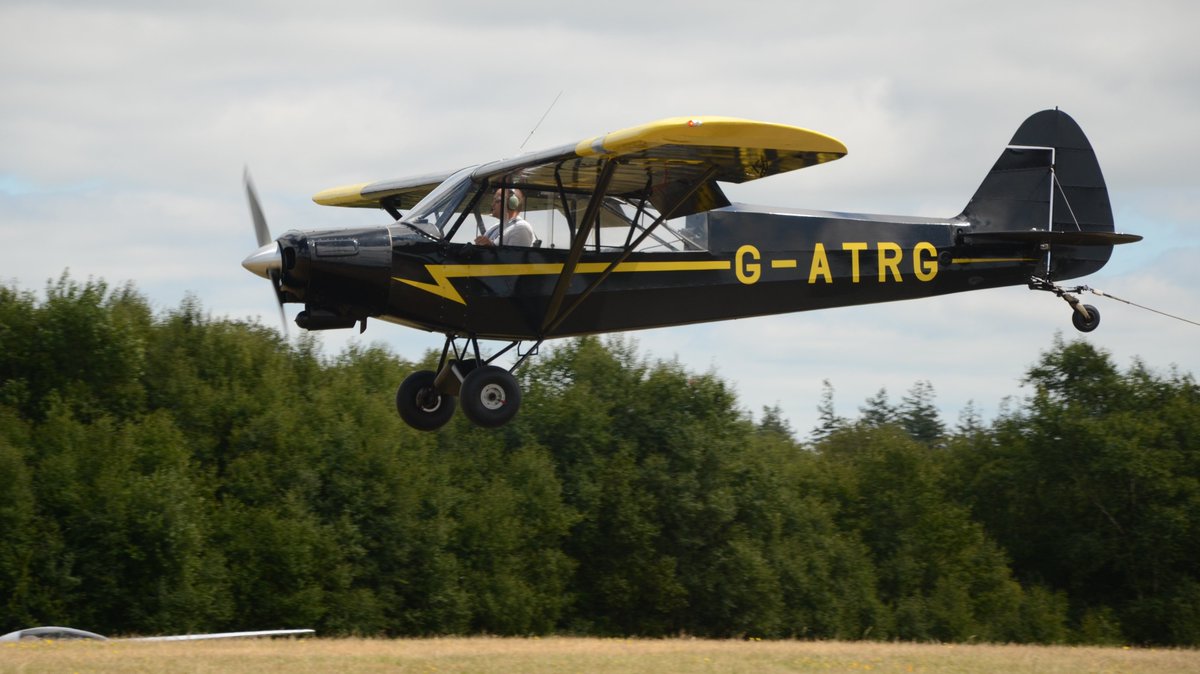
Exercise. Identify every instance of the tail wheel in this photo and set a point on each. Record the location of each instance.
(1086, 324)
(419, 403)
(490, 396)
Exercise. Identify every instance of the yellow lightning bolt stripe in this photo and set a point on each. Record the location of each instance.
(443, 273)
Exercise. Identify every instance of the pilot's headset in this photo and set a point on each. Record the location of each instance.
(514, 201)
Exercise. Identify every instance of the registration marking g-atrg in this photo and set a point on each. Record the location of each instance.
(923, 257)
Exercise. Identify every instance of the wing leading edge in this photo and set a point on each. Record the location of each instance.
(401, 194)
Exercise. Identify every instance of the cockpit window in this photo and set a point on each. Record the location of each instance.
(439, 206)
(621, 222)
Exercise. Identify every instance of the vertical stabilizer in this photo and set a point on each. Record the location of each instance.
(1047, 178)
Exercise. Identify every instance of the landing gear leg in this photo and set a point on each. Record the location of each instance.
(1084, 317)
(490, 395)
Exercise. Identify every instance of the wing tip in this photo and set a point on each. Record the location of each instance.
(346, 195)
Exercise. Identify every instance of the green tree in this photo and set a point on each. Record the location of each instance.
(82, 342)
(878, 411)
(579, 399)
(919, 415)
(19, 554)
(691, 518)
(773, 421)
(511, 529)
(823, 575)
(185, 473)
(133, 519)
(828, 419)
(942, 577)
(1093, 487)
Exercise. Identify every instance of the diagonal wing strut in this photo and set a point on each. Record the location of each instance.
(551, 325)
(577, 244)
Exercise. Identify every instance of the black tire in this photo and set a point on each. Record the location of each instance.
(420, 405)
(490, 396)
(1086, 324)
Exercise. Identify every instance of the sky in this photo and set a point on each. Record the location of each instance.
(125, 127)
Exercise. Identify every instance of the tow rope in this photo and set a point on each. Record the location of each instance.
(1139, 306)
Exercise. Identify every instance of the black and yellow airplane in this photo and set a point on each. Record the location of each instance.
(632, 230)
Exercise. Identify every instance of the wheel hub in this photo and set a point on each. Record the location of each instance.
(492, 396)
(429, 400)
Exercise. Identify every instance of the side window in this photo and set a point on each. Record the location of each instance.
(694, 231)
(620, 223)
(543, 211)
(548, 224)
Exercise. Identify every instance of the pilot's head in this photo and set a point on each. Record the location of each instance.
(510, 201)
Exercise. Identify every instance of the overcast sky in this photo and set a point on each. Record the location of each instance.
(125, 127)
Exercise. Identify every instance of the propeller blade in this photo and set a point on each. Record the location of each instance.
(282, 317)
(261, 232)
(266, 261)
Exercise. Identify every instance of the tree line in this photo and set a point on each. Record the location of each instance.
(167, 472)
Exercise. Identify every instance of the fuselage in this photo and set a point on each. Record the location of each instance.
(756, 262)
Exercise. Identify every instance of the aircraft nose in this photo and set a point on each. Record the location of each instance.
(264, 260)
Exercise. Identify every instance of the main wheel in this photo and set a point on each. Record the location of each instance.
(419, 403)
(490, 396)
(1085, 324)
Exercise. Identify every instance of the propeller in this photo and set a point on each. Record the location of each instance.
(266, 261)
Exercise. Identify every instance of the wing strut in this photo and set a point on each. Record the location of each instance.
(562, 196)
(577, 244)
(629, 248)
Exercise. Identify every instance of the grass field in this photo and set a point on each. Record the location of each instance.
(561, 654)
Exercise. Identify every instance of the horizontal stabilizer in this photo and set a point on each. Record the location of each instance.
(1053, 238)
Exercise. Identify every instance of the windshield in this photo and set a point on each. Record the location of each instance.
(441, 204)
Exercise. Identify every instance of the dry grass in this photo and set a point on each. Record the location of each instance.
(560, 654)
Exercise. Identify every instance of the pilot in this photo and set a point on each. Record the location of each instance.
(517, 232)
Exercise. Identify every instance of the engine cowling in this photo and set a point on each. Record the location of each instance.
(341, 276)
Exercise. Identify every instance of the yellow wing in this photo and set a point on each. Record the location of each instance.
(745, 149)
(656, 160)
(400, 194)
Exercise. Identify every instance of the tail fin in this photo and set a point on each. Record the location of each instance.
(1046, 179)
(1045, 194)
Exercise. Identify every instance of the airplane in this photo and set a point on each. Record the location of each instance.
(632, 230)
